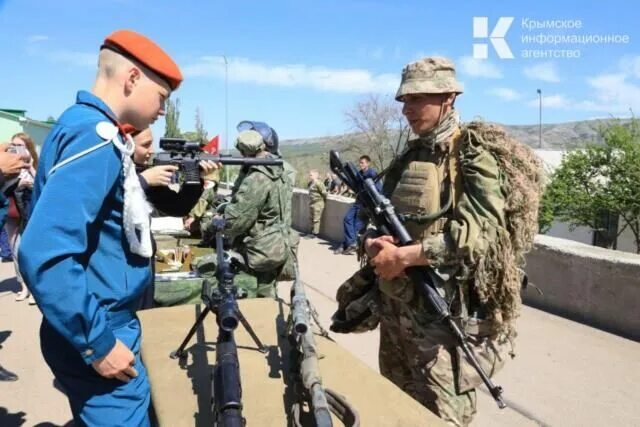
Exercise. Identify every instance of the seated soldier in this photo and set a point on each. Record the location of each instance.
(200, 216)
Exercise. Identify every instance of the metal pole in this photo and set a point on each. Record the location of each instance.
(540, 120)
(226, 112)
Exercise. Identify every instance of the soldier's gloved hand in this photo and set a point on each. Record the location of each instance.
(159, 176)
(118, 363)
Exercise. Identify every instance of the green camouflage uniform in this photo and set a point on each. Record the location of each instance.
(204, 211)
(317, 197)
(417, 352)
(258, 219)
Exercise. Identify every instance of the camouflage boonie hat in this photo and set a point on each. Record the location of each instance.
(433, 74)
(249, 142)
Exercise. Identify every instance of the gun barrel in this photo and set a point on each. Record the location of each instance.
(241, 161)
(300, 316)
(227, 392)
(165, 158)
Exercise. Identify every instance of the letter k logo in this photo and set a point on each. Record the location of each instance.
(481, 31)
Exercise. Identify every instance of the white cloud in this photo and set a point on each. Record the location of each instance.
(69, 57)
(614, 92)
(555, 101)
(631, 65)
(60, 56)
(611, 93)
(545, 71)
(37, 38)
(479, 68)
(294, 75)
(504, 93)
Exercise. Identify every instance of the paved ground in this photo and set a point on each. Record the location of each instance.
(565, 374)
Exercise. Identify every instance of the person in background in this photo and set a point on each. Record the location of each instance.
(258, 216)
(327, 180)
(5, 246)
(202, 213)
(317, 198)
(334, 183)
(20, 204)
(11, 165)
(155, 183)
(352, 223)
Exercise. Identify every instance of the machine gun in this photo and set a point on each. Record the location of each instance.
(382, 214)
(186, 155)
(226, 386)
(307, 369)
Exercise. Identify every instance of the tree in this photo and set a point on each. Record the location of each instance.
(200, 132)
(380, 128)
(596, 186)
(190, 136)
(172, 118)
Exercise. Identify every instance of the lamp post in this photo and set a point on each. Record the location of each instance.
(226, 112)
(540, 120)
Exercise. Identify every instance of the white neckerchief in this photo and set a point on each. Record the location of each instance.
(136, 210)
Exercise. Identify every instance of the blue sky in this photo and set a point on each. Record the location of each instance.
(300, 65)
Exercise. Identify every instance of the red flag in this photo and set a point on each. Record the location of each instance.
(212, 146)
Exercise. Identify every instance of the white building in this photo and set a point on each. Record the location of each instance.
(552, 159)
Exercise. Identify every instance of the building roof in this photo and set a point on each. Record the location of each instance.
(15, 112)
(20, 116)
(550, 158)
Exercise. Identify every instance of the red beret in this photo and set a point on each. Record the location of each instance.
(139, 48)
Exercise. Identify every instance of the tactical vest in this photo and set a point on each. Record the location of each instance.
(428, 186)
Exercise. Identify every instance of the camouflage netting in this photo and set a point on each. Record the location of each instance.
(499, 288)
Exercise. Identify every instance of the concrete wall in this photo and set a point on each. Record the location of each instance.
(331, 225)
(585, 283)
(588, 284)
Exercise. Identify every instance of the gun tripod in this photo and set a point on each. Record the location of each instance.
(228, 316)
(222, 300)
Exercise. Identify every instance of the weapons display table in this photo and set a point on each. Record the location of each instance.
(181, 396)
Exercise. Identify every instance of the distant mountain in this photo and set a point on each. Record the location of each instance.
(313, 153)
(556, 136)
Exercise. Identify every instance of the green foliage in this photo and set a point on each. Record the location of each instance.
(172, 118)
(201, 134)
(190, 136)
(598, 180)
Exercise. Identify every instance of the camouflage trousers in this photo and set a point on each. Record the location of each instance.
(315, 214)
(266, 284)
(420, 356)
(206, 233)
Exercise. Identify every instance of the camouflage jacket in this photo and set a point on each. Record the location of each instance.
(317, 192)
(259, 213)
(205, 203)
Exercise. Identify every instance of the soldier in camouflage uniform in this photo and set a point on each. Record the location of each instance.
(453, 190)
(258, 217)
(204, 210)
(317, 198)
